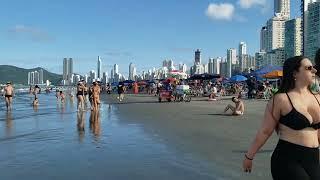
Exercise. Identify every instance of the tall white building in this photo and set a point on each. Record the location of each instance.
(67, 70)
(282, 7)
(184, 68)
(231, 59)
(276, 33)
(131, 71)
(312, 30)
(216, 65)
(99, 65)
(293, 38)
(242, 58)
(116, 69)
(41, 76)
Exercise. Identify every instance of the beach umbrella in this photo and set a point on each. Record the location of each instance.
(274, 74)
(266, 69)
(204, 76)
(238, 78)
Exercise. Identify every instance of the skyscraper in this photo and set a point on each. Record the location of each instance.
(116, 69)
(197, 57)
(312, 33)
(282, 7)
(242, 53)
(231, 58)
(210, 66)
(293, 38)
(131, 73)
(276, 33)
(263, 38)
(99, 67)
(41, 76)
(70, 68)
(65, 68)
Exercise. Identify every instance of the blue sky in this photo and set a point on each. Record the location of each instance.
(145, 32)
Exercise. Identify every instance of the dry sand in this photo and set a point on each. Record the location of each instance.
(199, 129)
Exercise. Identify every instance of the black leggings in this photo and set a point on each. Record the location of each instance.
(295, 162)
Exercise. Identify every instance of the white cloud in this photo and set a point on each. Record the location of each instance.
(33, 33)
(249, 3)
(223, 11)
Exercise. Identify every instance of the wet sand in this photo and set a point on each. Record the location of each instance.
(199, 129)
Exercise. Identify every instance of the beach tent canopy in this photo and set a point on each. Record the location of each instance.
(238, 78)
(204, 76)
(266, 69)
(274, 74)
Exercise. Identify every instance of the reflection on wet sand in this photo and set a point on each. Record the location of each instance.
(95, 123)
(80, 125)
(9, 125)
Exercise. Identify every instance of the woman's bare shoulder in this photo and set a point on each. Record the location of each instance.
(279, 99)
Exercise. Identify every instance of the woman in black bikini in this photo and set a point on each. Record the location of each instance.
(294, 112)
(80, 96)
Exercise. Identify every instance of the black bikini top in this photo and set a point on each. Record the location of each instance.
(297, 121)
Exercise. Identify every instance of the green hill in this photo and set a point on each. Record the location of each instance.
(20, 76)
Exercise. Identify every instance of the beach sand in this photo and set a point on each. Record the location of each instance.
(199, 129)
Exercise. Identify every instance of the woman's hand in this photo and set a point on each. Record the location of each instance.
(247, 165)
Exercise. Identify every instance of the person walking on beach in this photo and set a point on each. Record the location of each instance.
(8, 94)
(80, 95)
(95, 96)
(294, 112)
(238, 109)
(62, 97)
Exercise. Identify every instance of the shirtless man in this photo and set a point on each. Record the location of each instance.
(8, 94)
(95, 95)
(238, 109)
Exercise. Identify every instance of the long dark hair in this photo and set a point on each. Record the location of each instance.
(317, 61)
(290, 66)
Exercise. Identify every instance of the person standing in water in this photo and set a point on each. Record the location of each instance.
(8, 94)
(96, 95)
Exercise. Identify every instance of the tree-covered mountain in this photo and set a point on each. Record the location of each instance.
(20, 76)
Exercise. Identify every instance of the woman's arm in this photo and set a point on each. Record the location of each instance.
(270, 121)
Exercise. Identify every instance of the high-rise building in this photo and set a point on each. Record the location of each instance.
(263, 38)
(170, 65)
(282, 8)
(216, 65)
(116, 69)
(197, 57)
(293, 38)
(242, 58)
(231, 59)
(165, 63)
(99, 65)
(261, 59)
(134, 73)
(70, 68)
(41, 76)
(65, 68)
(276, 57)
(131, 73)
(210, 66)
(105, 78)
(276, 33)
(184, 68)
(224, 69)
(312, 30)
(304, 14)
(112, 76)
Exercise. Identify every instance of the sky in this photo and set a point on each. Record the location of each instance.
(40, 33)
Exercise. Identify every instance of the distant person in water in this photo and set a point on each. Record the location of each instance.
(8, 94)
(238, 109)
(62, 97)
(95, 95)
(35, 101)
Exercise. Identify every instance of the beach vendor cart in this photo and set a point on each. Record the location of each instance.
(183, 93)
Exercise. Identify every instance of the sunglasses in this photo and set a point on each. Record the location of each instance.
(309, 68)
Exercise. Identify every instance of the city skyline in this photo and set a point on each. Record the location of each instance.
(153, 36)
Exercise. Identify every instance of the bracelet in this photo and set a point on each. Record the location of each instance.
(245, 155)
